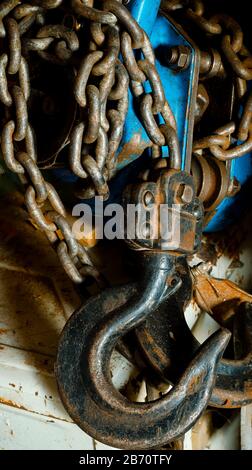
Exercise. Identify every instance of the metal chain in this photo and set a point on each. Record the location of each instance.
(106, 29)
(101, 91)
(237, 142)
(17, 134)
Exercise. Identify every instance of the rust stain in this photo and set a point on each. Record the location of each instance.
(135, 146)
(4, 401)
(152, 350)
(236, 396)
(43, 365)
(188, 240)
(195, 383)
(219, 297)
(54, 417)
(3, 330)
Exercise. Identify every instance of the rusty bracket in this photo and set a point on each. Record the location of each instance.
(171, 193)
(218, 297)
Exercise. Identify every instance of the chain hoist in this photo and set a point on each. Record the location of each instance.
(80, 69)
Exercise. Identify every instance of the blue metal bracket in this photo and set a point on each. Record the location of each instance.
(231, 208)
(180, 87)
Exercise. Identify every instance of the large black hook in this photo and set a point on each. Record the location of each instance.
(83, 365)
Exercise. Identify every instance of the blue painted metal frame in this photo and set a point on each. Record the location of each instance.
(180, 88)
(231, 208)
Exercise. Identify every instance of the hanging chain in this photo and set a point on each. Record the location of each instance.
(231, 141)
(101, 92)
(17, 134)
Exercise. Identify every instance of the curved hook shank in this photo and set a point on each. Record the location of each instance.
(91, 399)
(159, 281)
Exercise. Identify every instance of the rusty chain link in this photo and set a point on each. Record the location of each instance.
(18, 142)
(101, 92)
(113, 87)
(237, 143)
